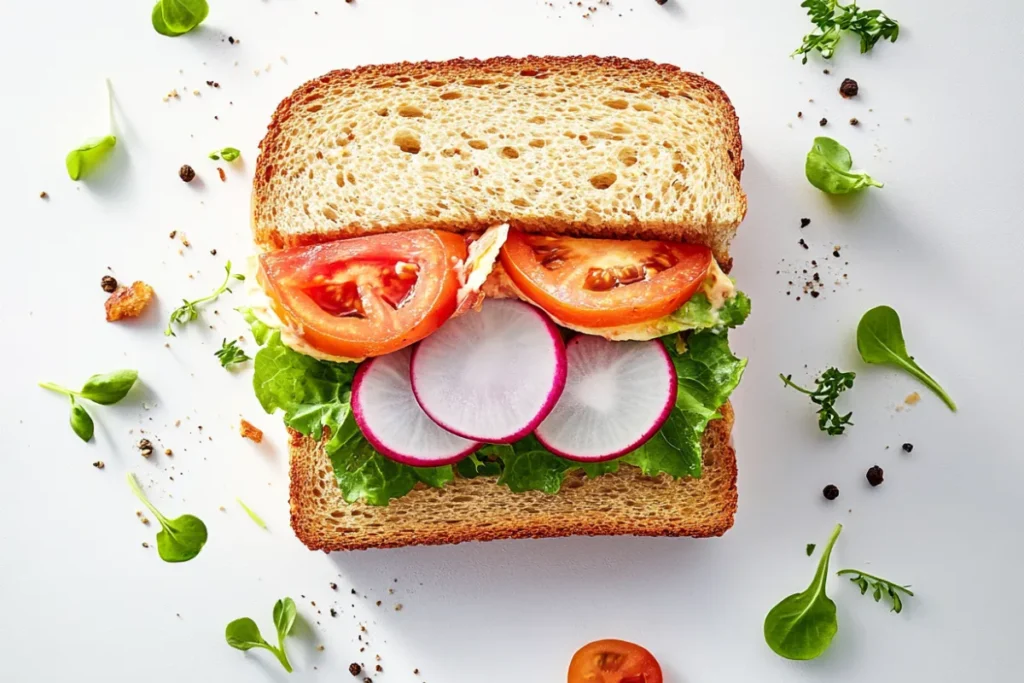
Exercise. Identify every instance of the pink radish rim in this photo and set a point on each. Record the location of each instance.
(649, 434)
(558, 381)
(357, 413)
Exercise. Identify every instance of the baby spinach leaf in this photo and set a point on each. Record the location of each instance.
(109, 388)
(81, 160)
(802, 625)
(177, 17)
(227, 154)
(81, 422)
(828, 169)
(244, 634)
(880, 341)
(179, 539)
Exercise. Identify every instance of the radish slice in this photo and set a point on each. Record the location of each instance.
(393, 422)
(617, 396)
(491, 375)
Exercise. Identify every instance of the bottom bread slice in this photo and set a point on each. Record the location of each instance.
(625, 502)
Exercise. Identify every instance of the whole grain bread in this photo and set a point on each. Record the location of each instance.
(587, 146)
(479, 509)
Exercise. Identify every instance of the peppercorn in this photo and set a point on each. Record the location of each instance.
(187, 173)
(831, 492)
(875, 475)
(661, 2)
(854, 121)
(908, 447)
(355, 669)
(804, 222)
(379, 668)
(108, 283)
(848, 88)
(815, 294)
(823, 122)
(333, 586)
(99, 464)
(145, 447)
(334, 612)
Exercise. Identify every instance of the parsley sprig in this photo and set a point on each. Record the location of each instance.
(881, 587)
(832, 18)
(827, 389)
(230, 354)
(189, 310)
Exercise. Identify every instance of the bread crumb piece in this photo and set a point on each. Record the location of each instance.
(128, 302)
(251, 432)
(912, 399)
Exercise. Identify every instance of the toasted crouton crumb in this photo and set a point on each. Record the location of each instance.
(251, 432)
(912, 399)
(128, 302)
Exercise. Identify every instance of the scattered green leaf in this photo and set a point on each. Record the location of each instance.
(832, 18)
(827, 389)
(880, 587)
(189, 310)
(252, 515)
(177, 17)
(227, 154)
(828, 169)
(87, 156)
(260, 330)
(880, 341)
(230, 353)
(810, 548)
(244, 634)
(104, 389)
(179, 539)
(802, 625)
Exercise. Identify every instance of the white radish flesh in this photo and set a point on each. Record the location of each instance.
(491, 375)
(393, 422)
(617, 395)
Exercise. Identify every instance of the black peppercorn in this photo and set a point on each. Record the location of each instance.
(108, 283)
(355, 669)
(187, 173)
(908, 447)
(854, 121)
(848, 88)
(831, 492)
(823, 122)
(661, 2)
(875, 475)
(804, 222)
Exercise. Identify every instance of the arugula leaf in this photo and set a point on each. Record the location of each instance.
(179, 539)
(315, 396)
(244, 634)
(881, 586)
(176, 17)
(880, 340)
(832, 18)
(827, 389)
(828, 169)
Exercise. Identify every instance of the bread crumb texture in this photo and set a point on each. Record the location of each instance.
(587, 146)
(626, 502)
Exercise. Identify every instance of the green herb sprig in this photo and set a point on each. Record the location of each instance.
(230, 353)
(189, 310)
(879, 587)
(105, 389)
(880, 341)
(244, 634)
(252, 514)
(827, 388)
(179, 539)
(828, 168)
(802, 625)
(227, 154)
(832, 18)
(177, 17)
(83, 159)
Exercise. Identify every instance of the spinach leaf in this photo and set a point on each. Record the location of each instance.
(81, 421)
(177, 17)
(802, 625)
(109, 388)
(828, 169)
(880, 341)
(179, 539)
(244, 634)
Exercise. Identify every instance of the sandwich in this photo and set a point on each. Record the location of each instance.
(493, 300)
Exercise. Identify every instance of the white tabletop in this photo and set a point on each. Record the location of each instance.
(940, 118)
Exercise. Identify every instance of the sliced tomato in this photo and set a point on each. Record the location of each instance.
(613, 661)
(604, 283)
(365, 296)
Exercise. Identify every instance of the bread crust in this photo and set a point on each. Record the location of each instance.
(623, 503)
(662, 79)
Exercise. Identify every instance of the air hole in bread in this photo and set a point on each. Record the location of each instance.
(407, 141)
(477, 82)
(351, 178)
(537, 143)
(409, 111)
(340, 179)
(510, 152)
(451, 95)
(616, 104)
(313, 108)
(602, 181)
(627, 156)
(383, 111)
(536, 119)
(478, 144)
(330, 214)
(520, 202)
(528, 72)
(437, 84)
(643, 106)
(502, 86)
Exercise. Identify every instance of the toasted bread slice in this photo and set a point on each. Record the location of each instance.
(587, 146)
(480, 510)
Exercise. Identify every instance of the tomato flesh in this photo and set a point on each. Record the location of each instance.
(598, 283)
(614, 661)
(365, 296)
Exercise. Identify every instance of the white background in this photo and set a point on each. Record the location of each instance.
(940, 113)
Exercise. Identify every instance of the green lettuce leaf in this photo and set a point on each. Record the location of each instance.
(260, 330)
(479, 464)
(315, 395)
(697, 314)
